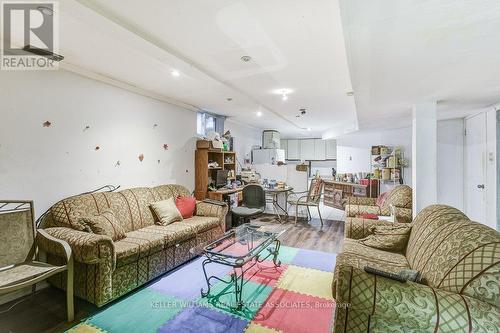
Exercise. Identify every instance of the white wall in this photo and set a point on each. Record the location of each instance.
(244, 138)
(48, 163)
(450, 162)
(354, 150)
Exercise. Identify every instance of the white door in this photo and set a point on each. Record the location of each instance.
(475, 168)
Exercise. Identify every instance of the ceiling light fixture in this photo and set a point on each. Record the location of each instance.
(284, 92)
(246, 58)
(309, 128)
(259, 113)
(45, 10)
(175, 73)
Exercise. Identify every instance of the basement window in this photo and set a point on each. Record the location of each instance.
(208, 122)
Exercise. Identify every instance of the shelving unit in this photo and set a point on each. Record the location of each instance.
(226, 161)
(387, 164)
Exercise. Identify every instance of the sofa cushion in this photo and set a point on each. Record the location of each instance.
(173, 233)
(104, 224)
(391, 238)
(138, 244)
(358, 255)
(166, 211)
(202, 223)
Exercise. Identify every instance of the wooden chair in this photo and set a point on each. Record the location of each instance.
(19, 265)
(311, 199)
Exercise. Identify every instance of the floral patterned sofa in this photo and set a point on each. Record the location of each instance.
(105, 270)
(399, 197)
(459, 261)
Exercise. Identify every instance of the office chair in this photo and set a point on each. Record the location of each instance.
(254, 203)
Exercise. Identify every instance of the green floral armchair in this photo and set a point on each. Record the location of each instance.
(459, 261)
(400, 198)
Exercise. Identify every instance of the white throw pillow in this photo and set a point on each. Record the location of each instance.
(166, 211)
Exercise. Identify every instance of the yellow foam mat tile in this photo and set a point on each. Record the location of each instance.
(307, 281)
(85, 328)
(256, 328)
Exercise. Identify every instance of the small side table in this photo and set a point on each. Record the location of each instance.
(274, 194)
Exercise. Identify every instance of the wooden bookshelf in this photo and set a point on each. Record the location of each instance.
(226, 161)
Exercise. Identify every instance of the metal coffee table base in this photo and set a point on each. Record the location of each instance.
(237, 278)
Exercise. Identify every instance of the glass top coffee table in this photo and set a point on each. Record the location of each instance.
(242, 248)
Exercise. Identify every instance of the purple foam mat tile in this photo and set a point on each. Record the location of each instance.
(186, 282)
(323, 261)
(197, 319)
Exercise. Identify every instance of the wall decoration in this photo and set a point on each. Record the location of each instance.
(97, 148)
(158, 161)
(86, 128)
(165, 146)
(117, 164)
(187, 171)
(155, 126)
(141, 157)
(47, 124)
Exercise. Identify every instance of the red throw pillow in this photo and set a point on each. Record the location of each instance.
(186, 205)
(369, 216)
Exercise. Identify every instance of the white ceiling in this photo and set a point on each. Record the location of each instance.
(403, 52)
(396, 52)
(294, 44)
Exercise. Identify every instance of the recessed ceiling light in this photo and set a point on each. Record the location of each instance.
(246, 58)
(284, 97)
(309, 128)
(175, 73)
(350, 93)
(45, 10)
(259, 113)
(282, 91)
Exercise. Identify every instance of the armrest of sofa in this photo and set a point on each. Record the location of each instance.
(86, 247)
(357, 228)
(353, 210)
(213, 210)
(416, 305)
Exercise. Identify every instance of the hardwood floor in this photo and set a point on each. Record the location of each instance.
(46, 311)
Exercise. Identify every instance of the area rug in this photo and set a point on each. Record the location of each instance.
(295, 297)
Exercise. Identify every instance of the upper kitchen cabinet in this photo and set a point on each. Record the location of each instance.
(307, 149)
(319, 150)
(331, 149)
(284, 146)
(293, 149)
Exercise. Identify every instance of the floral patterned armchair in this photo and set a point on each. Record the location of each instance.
(399, 198)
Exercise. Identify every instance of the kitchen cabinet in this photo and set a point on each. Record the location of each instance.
(284, 146)
(319, 150)
(293, 149)
(307, 149)
(331, 149)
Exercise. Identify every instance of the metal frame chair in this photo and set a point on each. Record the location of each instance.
(311, 199)
(19, 265)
